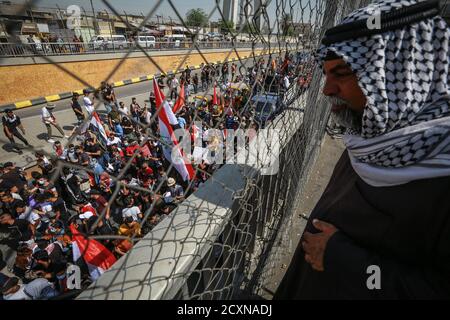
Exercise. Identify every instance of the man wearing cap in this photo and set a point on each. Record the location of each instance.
(49, 120)
(381, 229)
(176, 191)
(10, 123)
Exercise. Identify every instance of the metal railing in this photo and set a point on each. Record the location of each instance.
(74, 48)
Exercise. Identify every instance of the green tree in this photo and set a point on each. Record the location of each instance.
(287, 25)
(196, 18)
(226, 26)
(249, 28)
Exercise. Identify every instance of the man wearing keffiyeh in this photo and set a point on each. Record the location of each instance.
(387, 205)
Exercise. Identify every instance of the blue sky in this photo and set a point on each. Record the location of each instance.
(136, 6)
(144, 6)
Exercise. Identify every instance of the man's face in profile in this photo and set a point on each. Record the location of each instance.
(342, 88)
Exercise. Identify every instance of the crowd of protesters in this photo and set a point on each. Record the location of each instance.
(120, 184)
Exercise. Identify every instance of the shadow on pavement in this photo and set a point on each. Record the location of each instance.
(9, 148)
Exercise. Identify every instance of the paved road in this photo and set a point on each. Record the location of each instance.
(123, 92)
(36, 132)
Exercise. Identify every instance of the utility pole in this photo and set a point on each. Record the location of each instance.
(109, 24)
(59, 15)
(97, 31)
(87, 24)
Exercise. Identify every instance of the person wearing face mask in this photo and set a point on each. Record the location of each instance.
(9, 204)
(10, 123)
(46, 186)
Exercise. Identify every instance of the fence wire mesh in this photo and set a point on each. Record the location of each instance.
(220, 234)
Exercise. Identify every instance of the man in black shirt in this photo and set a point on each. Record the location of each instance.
(83, 157)
(127, 128)
(161, 82)
(20, 229)
(108, 95)
(10, 204)
(10, 123)
(195, 82)
(92, 149)
(77, 108)
(48, 268)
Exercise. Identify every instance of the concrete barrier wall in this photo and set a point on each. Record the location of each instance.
(24, 82)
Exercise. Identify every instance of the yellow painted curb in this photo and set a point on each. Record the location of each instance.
(53, 97)
(23, 104)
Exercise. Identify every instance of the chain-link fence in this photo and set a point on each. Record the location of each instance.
(213, 228)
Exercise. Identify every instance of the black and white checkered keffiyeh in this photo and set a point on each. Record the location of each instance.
(404, 74)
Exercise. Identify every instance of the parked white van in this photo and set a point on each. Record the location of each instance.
(116, 41)
(146, 41)
(97, 42)
(108, 42)
(174, 37)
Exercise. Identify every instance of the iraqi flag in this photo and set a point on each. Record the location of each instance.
(97, 258)
(196, 132)
(215, 101)
(97, 126)
(225, 134)
(167, 125)
(180, 101)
